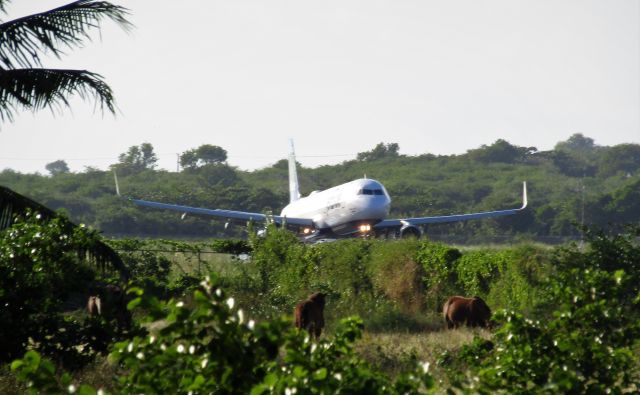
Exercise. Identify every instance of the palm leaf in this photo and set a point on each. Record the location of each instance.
(23, 39)
(40, 88)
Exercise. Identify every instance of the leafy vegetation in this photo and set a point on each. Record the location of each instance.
(585, 346)
(566, 318)
(40, 270)
(24, 84)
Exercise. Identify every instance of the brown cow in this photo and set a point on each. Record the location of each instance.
(109, 302)
(94, 305)
(458, 310)
(309, 314)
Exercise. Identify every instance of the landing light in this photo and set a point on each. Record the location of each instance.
(306, 231)
(365, 228)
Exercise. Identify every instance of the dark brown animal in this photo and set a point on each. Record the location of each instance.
(109, 301)
(94, 305)
(472, 312)
(309, 314)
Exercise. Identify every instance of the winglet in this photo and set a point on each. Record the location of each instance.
(115, 177)
(524, 195)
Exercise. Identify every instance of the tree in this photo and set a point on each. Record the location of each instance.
(380, 151)
(136, 159)
(206, 154)
(620, 158)
(577, 143)
(501, 151)
(189, 159)
(24, 83)
(571, 165)
(57, 167)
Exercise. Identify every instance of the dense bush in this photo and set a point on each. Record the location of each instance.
(439, 262)
(507, 278)
(211, 347)
(393, 284)
(587, 344)
(583, 343)
(39, 267)
(395, 271)
(149, 269)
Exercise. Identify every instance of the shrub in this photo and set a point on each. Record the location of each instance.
(395, 272)
(439, 262)
(213, 348)
(148, 268)
(520, 283)
(477, 269)
(39, 267)
(586, 347)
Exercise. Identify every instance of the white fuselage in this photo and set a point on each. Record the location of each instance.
(361, 200)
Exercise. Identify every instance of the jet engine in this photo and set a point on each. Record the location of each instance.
(409, 231)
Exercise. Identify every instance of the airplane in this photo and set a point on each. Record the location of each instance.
(356, 208)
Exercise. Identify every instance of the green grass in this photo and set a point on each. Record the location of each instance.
(395, 352)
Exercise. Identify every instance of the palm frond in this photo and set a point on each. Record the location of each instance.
(36, 89)
(23, 39)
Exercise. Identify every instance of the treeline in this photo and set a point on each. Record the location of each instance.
(578, 182)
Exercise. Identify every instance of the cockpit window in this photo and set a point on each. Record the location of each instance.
(366, 191)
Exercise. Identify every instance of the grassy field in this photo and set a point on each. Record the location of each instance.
(395, 352)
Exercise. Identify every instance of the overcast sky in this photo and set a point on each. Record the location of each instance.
(341, 76)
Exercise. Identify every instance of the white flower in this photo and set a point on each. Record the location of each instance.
(230, 302)
(180, 348)
(192, 349)
(204, 363)
(152, 339)
(100, 391)
(338, 376)
(425, 367)
(180, 304)
(71, 388)
(130, 347)
(140, 355)
(251, 324)
(240, 316)
(510, 336)
(218, 292)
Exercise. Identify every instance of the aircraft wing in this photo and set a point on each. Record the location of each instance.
(225, 214)
(390, 223)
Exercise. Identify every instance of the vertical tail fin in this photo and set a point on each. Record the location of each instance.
(115, 177)
(294, 189)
